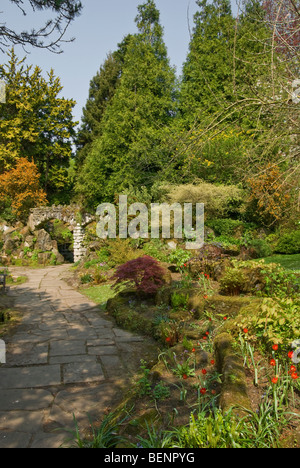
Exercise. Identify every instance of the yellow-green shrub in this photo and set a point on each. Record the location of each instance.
(219, 200)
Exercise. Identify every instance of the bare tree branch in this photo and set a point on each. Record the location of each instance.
(49, 36)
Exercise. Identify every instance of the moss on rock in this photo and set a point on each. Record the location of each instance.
(234, 388)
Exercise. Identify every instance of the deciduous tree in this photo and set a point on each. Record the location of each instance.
(35, 122)
(20, 189)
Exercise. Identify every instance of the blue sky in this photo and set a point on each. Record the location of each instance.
(99, 29)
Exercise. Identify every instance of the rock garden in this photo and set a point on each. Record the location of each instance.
(225, 321)
(227, 332)
(22, 245)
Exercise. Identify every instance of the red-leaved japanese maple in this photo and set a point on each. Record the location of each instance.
(145, 273)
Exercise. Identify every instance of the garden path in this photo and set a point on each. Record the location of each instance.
(65, 358)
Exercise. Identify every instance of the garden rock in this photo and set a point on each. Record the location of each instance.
(11, 244)
(229, 364)
(21, 244)
(44, 241)
(29, 242)
(44, 257)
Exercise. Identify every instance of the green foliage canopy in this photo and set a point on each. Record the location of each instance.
(129, 151)
(36, 123)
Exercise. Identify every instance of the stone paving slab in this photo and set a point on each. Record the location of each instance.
(30, 377)
(64, 359)
(82, 372)
(20, 399)
(14, 439)
(67, 348)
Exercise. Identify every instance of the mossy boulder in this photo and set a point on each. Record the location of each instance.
(120, 307)
(217, 305)
(234, 387)
(163, 295)
(242, 280)
(214, 267)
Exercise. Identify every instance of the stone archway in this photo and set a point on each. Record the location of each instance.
(69, 215)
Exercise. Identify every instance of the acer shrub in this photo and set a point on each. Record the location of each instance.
(145, 273)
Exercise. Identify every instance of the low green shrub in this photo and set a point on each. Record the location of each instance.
(289, 243)
(121, 251)
(259, 279)
(225, 226)
(262, 248)
(179, 257)
(86, 279)
(157, 249)
(179, 300)
(232, 282)
(276, 321)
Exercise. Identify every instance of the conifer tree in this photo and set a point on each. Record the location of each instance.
(48, 36)
(102, 90)
(207, 73)
(129, 151)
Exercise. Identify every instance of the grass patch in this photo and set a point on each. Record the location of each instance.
(16, 281)
(290, 262)
(99, 294)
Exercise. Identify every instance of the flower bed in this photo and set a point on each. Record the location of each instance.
(224, 375)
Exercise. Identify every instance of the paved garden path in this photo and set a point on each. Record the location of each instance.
(64, 358)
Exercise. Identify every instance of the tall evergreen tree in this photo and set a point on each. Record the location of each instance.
(102, 90)
(129, 150)
(208, 70)
(226, 76)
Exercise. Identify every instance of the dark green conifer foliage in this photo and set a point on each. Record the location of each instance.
(208, 70)
(102, 90)
(129, 150)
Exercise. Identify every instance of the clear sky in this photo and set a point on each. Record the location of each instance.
(101, 26)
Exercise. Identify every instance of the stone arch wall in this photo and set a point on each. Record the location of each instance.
(69, 215)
